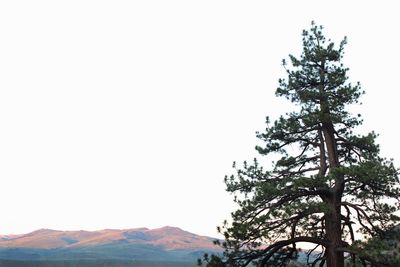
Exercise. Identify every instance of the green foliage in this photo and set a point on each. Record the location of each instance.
(381, 250)
(327, 184)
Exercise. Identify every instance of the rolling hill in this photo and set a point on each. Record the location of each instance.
(163, 244)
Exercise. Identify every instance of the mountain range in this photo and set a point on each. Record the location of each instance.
(164, 244)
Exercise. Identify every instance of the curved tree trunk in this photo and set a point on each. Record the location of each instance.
(334, 258)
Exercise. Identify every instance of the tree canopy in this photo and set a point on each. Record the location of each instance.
(329, 186)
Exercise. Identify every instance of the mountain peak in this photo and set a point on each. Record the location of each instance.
(167, 237)
(170, 228)
(43, 231)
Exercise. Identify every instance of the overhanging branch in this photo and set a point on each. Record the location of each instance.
(272, 249)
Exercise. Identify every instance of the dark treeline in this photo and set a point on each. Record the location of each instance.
(93, 263)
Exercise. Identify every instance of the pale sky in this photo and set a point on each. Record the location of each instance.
(123, 114)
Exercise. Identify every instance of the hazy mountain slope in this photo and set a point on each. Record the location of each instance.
(167, 243)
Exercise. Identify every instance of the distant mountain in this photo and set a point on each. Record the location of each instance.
(8, 237)
(166, 243)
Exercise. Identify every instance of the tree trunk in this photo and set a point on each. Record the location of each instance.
(333, 230)
(334, 235)
(333, 216)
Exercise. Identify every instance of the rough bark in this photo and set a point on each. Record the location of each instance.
(334, 258)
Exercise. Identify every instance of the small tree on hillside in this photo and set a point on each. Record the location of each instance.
(328, 184)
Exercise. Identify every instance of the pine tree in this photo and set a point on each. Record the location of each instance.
(329, 186)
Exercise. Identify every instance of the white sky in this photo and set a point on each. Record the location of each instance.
(120, 114)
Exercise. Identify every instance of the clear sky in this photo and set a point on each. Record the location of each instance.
(122, 114)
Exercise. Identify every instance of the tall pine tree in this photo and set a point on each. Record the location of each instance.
(329, 184)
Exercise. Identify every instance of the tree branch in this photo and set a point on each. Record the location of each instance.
(270, 250)
(362, 257)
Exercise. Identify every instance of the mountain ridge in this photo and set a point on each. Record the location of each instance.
(165, 243)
